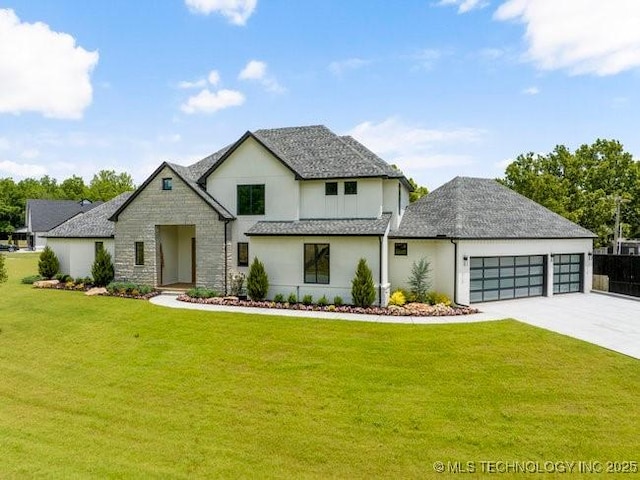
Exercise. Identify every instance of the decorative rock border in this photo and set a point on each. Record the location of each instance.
(90, 290)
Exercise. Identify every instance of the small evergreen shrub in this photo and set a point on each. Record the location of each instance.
(202, 292)
(3, 270)
(323, 302)
(419, 282)
(127, 288)
(307, 299)
(31, 279)
(292, 298)
(363, 291)
(435, 298)
(48, 265)
(102, 269)
(397, 298)
(257, 281)
(337, 301)
(279, 298)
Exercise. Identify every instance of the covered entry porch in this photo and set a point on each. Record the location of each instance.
(176, 250)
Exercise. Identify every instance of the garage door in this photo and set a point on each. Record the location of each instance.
(567, 273)
(503, 278)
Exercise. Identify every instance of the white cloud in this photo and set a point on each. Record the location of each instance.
(255, 70)
(214, 77)
(413, 147)
(531, 91)
(341, 66)
(428, 57)
(30, 153)
(42, 70)
(22, 169)
(186, 85)
(236, 11)
(209, 102)
(582, 36)
(464, 6)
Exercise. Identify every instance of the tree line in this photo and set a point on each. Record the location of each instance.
(105, 185)
(584, 186)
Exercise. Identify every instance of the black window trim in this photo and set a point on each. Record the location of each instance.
(251, 201)
(167, 183)
(138, 260)
(317, 247)
(348, 185)
(401, 245)
(331, 188)
(246, 263)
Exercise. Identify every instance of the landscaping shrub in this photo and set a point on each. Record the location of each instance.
(31, 279)
(397, 298)
(363, 292)
(3, 270)
(257, 281)
(236, 283)
(202, 292)
(279, 298)
(419, 282)
(323, 302)
(337, 301)
(48, 265)
(128, 288)
(292, 298)
(307, 299)
(435, 298)
(102, 269)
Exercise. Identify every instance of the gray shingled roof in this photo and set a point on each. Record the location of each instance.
(315, 152)
(477, 208)
(200, 168)
(46, 214)
(93, 224)
(328, 227)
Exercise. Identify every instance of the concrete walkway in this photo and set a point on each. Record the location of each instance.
(608, 321)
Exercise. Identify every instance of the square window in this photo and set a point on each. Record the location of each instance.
(316, 263)
(243, 254)
(139, 253)
(167, 184)
(331, 188)
(250, 199)
(400, 249)
(350, 188)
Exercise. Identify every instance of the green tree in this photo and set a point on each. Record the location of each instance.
(107, 184)
(418, 191)
(419, 282)
(257, 281)
(74, 188)
(102, 268)
(48, 265)
(3, 270)
(363, 292)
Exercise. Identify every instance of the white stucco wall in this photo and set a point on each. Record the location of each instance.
(390, 200)
(283, 258)
(76, 255)
(367, 203)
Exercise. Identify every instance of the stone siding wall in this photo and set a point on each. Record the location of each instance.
(179, 206)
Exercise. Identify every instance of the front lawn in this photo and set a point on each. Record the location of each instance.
(110, 387)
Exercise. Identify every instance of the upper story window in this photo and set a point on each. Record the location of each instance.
(250, 199)
(167, 183)
(331, 188)
(350, 188)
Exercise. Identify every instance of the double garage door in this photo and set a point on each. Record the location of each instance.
(509, 277)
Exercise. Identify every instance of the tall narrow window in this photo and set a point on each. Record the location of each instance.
(243, 254)
(316, 263)
(350, 188)
(167, 183)
(331, 188)
(139, 248)
(250, 199)
(97, 247)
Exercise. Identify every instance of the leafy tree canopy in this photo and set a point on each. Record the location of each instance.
(583, 185)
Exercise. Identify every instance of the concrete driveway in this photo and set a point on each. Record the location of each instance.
(608, 321)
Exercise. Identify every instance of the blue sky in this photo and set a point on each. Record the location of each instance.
(439, 87)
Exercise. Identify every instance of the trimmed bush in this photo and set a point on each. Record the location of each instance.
(3, 270)
(202, 292)
(337, 301)
(419, 282)
(307, 300)
(257, 281)
(397, 298)
(48, 265)
(292, 298)
(102, 269)
(31, 279)
(363, 291)
(323, 302)
(435, 298)
(127, 288)
(279, 298)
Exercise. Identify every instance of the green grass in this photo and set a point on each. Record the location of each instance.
(109, 387)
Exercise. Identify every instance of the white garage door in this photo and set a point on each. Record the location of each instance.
(504, 278)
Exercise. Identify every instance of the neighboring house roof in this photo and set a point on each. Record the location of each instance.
(186, 175)
(482, 208)
(314, 152)
(47, 214)
(328, 227)
(93, 224)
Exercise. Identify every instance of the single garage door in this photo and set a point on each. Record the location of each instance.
(567, 273)
(503, 278)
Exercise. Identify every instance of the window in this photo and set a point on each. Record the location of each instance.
(167, 183)
(316, 263)
(243, 254)
(98, 246)
(400, 249)
(350, 188)
(331, 188)
(139, 248)
(250, 199)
